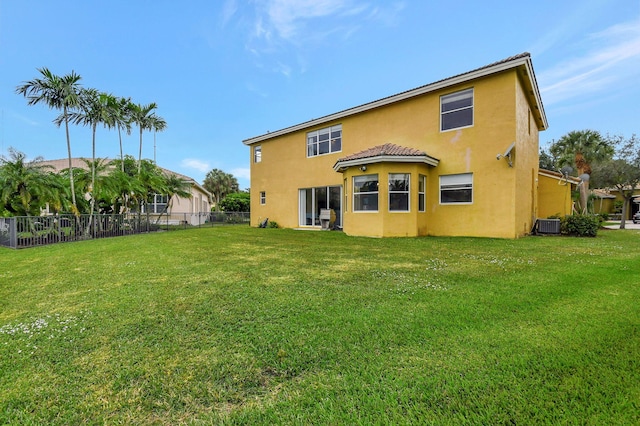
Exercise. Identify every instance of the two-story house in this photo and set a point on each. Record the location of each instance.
(456, 157)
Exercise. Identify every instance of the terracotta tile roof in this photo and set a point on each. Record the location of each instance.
(388, 149)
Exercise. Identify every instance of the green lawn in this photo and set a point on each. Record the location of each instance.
(235, 325)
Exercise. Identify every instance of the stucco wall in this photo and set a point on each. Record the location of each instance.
(504, 197)
(554, 197)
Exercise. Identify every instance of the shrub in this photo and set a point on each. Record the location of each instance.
(580, 225)
(236, 202)
(273, 224)
(617, 206)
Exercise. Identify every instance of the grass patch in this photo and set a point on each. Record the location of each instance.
(239, 325)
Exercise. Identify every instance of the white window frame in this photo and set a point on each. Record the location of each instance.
(311, 217)
(406, 192)
(314, 142)
(462, 94)
(257, 154)
(263, 197)
(357, 194)
(422, 193)
(157, 204)
(456, 182)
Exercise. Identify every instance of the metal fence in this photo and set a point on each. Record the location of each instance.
(30, 231)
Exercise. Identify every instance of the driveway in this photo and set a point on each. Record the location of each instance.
(628, 225)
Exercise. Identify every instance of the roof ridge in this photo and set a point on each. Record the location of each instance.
(375, 103)
(386, 149)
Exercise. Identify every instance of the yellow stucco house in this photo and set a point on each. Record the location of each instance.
(457, 157)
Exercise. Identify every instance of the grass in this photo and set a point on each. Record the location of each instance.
(235, 325)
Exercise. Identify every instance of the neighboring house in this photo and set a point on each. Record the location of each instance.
(603, 201)
(181, 208)
(456, 157)
(613, 196)
(555, 193)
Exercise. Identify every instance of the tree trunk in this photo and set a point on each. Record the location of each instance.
(71, 183)
(121, 155)
(584, 196)
(623, 216)
(140, 152)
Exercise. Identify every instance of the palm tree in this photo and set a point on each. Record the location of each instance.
(94, 110)
(59, 93)
(219, 184)
(146, 119)
(25, 186)
(581, 148)
(126, 183)
(174, 186)
(120, 117)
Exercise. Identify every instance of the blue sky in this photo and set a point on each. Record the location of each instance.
(224, 71)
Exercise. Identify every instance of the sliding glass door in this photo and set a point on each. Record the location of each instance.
(312, 200)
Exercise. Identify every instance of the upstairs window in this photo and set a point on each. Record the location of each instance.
(263, 197)
(324, 141)
(399, 192)
(257, 153)
(456, 189)
(456, 110)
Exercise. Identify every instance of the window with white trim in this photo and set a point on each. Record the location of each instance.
(399, 192)
(365, 193)
(422, 187)
(324, 141)
(263, 197)
(456, 189)
(157, 204)
(314, 200)
(456, 110)
(257, 153)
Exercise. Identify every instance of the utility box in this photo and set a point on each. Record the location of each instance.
(327, 218)
(548, 226)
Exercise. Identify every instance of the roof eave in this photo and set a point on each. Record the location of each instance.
(524, 61)
(558, 176)
(343, 165)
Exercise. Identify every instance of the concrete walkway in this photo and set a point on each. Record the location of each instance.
(628, 225)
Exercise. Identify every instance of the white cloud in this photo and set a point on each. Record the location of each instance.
(194, 164)
(24, 119)
(228, 10)
(297, 27)
(298, 22)
(288, 16)
(242, 172)
(613, 59)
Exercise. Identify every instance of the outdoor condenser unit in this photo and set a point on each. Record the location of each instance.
(548, 226)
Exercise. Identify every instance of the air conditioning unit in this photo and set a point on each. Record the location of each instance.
(548, 226)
